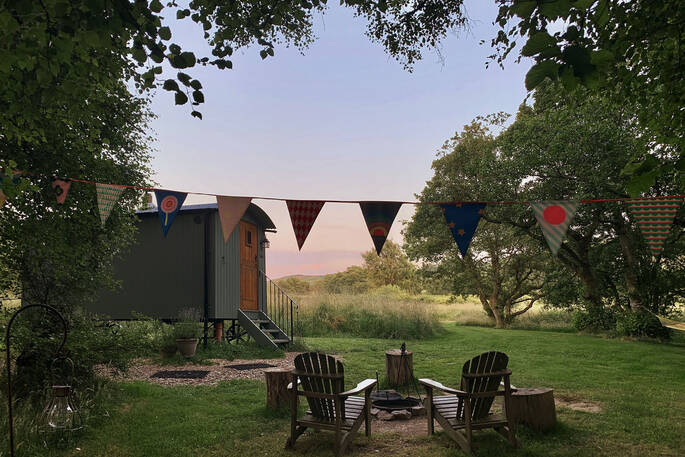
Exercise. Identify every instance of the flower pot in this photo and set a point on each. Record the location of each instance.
(187, 346)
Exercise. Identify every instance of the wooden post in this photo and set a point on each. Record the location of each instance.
(277, 395)
(218, 331)
(399, 369)
(534, 408)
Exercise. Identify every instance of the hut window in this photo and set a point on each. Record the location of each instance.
(249, 238)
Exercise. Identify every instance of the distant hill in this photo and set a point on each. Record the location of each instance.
(308, 278)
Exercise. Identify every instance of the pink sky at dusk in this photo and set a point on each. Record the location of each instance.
(342, 122)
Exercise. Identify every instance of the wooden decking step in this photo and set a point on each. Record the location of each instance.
(281, 340)
(271, 330)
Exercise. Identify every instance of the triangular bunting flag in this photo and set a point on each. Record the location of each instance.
(3, 197)
(108, 195)
(61, 188)
(462, 220)
(168, 205)
(303, 213)
(654, 217)
(379, 217)
(231, 209)
(554, 218)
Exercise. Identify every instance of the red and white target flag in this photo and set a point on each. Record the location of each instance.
(231, 209)
(303, 213)
(168, 205)
(554, 218)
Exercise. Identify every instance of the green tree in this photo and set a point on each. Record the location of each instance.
(391, 268)
(294, 285)
(504, 269)
(354, 280)
(631, 48)
(52, 48)
(572, 147)
(60, 254)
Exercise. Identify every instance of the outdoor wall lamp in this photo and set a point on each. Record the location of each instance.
(265, 243)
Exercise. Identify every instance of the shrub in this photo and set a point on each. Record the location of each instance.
(641, 324)
(294, 286)
(594, 319)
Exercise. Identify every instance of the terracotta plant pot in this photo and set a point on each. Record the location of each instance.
(187, 346)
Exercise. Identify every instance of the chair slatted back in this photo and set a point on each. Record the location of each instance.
(320, 374)
(488, 362)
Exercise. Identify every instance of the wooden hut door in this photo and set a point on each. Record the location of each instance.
(248, 267)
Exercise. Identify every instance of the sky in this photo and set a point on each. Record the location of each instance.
(343, 121)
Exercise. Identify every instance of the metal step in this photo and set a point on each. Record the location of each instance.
(264, 337)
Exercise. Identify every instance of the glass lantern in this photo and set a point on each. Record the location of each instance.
(60, 418)
(60, 414)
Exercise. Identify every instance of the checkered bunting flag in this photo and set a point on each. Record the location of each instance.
(303, 213)
(554, 218)
(654, 217)
(108, 195)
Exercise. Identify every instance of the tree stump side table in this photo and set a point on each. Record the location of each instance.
(277, 395)
(534, 408)
(399, 369)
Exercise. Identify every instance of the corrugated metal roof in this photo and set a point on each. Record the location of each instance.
(253, 209)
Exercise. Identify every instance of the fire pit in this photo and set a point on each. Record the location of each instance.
(390, 400)
(396, 405)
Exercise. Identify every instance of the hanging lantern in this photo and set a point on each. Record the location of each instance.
(60, 416)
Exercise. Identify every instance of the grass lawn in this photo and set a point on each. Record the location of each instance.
(639, 385)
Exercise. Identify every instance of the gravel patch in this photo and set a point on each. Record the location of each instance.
(143, 369)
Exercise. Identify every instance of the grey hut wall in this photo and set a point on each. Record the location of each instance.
(162, 276)
(225, 277)
(159, 276)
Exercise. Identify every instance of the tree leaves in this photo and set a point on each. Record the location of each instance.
(540, 71)
(537, 43)
(164, 33)
(181, 98)
(170, 84)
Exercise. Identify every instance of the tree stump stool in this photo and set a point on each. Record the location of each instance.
(277, 395)
(399, 369)
(534, 408)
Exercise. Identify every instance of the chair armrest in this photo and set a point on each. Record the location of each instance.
(361, 387)
(436, 385)
(290, 384)
(511, 386)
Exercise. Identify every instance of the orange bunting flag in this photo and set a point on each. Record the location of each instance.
(3, 197)
(61, 188)
(303, 213)
(108, 195)
(231, 209)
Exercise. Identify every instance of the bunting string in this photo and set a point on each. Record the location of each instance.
(654, 215)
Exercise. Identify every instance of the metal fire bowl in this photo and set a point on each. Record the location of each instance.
(385, 395)
(394, 405)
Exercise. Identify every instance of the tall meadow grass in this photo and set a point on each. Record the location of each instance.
(369, 316)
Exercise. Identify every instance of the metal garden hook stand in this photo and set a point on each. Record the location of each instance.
(9, 365)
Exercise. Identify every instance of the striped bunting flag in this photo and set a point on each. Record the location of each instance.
(108, 195)
(554, 218)
(654, 217)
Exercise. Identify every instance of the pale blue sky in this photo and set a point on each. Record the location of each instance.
(342, 122)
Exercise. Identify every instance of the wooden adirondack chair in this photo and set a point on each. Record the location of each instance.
(322, 380)
(468, 409)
